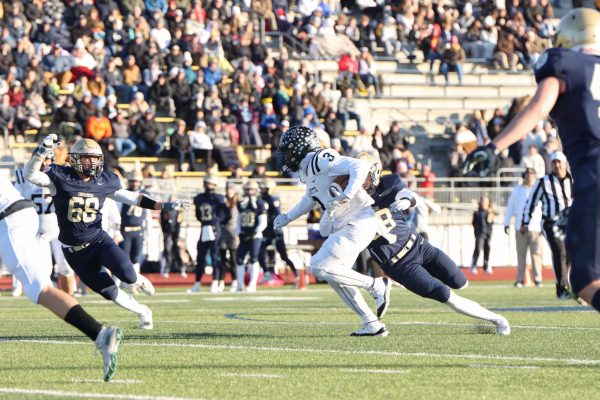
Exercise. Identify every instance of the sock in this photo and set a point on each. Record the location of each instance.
(240, 271)
(127, 302)
(354, 299)
(470, 308)
(254, 270)
(83, 321)
(596, 301)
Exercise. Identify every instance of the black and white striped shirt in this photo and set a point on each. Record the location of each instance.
(554, 193)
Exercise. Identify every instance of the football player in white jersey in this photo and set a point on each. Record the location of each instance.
(20, 251)
(48, 229)
(354, 222)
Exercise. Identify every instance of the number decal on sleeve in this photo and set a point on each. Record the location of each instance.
(595, 83)
(328, 156)
(83, 210)
(40, 200)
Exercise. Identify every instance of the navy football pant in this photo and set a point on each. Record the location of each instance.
(427, 271)
(103, 252)
(266, 255)
(211, 248)
(249, 247)
(583, 235)
(133, 244)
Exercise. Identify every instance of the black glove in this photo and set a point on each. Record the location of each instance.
(484, 157)
(559, 224)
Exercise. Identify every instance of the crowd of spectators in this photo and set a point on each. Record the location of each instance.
(109, 69)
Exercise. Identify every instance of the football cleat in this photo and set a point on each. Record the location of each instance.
(107, 343)
(502, 326)
(382, 296)
(374, 328)
(196, 288)
(146, 321)
(145, 285)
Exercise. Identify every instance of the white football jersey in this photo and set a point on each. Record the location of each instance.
(44, 205)
(318, 171)
(8, 193)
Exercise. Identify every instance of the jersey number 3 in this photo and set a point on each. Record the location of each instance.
(83, 210)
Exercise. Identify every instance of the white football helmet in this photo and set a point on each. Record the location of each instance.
(375, 171)
(90, 149)
(579, 30)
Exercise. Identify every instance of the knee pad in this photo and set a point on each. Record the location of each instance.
(440, 293)
(320, 274)
(109, 293)
(466, 285)
(129, 275)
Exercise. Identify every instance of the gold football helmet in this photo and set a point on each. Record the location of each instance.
(375, 171)
(90, 150)
(251, 188)
(578, 28)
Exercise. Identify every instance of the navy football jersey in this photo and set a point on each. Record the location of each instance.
(249, 212)
(577, 110)
(78, 203)
(132, 215)
(397, 230)
(272, 212)
(210, 208)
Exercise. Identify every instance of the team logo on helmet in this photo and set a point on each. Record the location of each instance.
(375, 170)
(295, 144)
(87, 148)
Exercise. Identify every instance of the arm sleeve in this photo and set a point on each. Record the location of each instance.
(262, 223)
(356, 169)
(126, 196)
(534, 198)
(303, 207)
(510, 208)
(32, 173)
(409, 195)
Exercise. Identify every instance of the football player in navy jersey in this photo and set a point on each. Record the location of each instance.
(252, 221)
(272, 235)
(407, 257)
(211, 212)
(568, 77)
(79, 191)
(134, 223)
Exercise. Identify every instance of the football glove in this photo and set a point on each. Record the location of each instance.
(46, 148)
(176, 205)
(280, 221)
(483, 157)
(400, 205)
(559, 224)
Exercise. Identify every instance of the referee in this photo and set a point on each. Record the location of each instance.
(554, 191)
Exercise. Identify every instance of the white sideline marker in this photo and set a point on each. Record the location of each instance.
(568, 361)
(81, 395)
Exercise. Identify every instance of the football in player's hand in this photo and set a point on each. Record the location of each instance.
(339, 184)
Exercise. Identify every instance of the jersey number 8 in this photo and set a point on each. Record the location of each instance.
(81, 209)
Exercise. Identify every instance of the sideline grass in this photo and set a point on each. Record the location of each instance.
(284, 344)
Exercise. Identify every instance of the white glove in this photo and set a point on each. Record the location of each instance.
(50, 141)
(332, 206)
(280, 221)
(176, 205)
(400, 205)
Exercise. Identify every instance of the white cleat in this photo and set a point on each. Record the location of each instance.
(251, 289)
(196, 288)
(374, 328)
(382, 296)
(18, 290)
(145, 285)
(214, 287)
(107, 343)
(502, 326)
(146, 321)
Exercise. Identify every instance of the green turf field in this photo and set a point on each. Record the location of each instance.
(285, 344)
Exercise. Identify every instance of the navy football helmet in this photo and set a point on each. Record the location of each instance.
(295, 144)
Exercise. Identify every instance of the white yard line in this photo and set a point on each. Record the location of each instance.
(87, 395)
(112, 382)
(576, 361)
(375, 371)
(261, 376)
